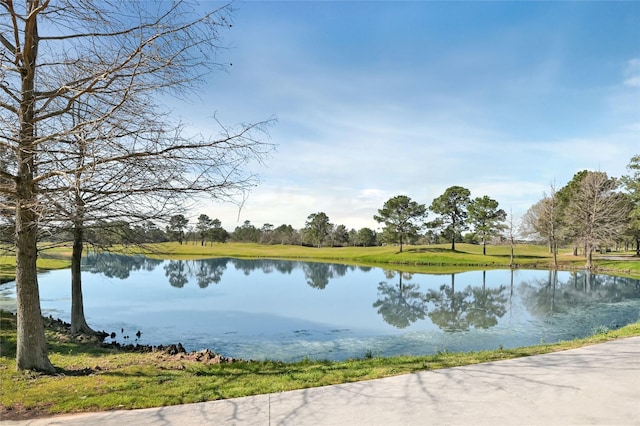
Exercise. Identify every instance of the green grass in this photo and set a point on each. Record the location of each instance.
(437, 258)
(93, 378)
(8, 266)
(424, 258)
(465, 254)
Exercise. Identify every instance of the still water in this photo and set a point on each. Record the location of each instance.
(289, 310)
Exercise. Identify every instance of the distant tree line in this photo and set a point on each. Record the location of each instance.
(591, 212)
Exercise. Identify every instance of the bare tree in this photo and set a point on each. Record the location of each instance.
(598, 212)
(564, 196)
(71, 70)
(543, 220)
(510, 233)
(135, 176)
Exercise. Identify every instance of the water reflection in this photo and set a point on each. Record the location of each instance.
(487, 305)
(205, 272)
(117, 265)
(400, 304)
(177, 272)
(209, 271)
(549, 296)
(318, 275)
(519, 307)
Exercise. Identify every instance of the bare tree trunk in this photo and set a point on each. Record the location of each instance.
(31, 351)
(511, 243)
(512, 255)
(78, 321)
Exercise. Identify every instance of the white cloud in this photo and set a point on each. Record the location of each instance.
(632, 73)
(490, 117)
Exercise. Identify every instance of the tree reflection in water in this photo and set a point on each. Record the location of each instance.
(487, 305)
(449, 307)
(205, 271)
(402, 304)
(317, 274)
(209, 271)
(475, 306)
(116, 265)
(546, 297)
(175, 270)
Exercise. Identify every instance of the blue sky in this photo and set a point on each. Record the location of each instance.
(377, 99)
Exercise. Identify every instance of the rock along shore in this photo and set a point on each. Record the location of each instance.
(62, 331)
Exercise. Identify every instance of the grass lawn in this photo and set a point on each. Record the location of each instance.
(97, 378)
(94, 378)
(8, 266)
(424, 258)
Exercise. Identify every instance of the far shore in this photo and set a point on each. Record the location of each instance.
(436, 258)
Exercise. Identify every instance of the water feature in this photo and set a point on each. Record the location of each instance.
(289, 310)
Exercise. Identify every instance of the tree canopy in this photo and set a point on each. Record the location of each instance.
(402, 218)
(486, 218)
(452, 208)
(317, 228)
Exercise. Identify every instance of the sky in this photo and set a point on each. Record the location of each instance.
(378, 99)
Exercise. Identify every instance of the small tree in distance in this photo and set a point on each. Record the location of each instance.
(487, 219)
(176, 227)
(544, 220)
(452, 210)
(203, 227)
(510, 234)
(366, 237)
(218, 233)
(402, 218)
(317, 228)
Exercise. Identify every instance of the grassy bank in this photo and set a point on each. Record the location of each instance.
(8, 266)
(424, 258)
(436, 258)
(425, 255)
(94, 378)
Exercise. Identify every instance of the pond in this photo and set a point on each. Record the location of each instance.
(289, 310)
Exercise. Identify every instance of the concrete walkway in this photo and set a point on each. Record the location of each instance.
(597, 384)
